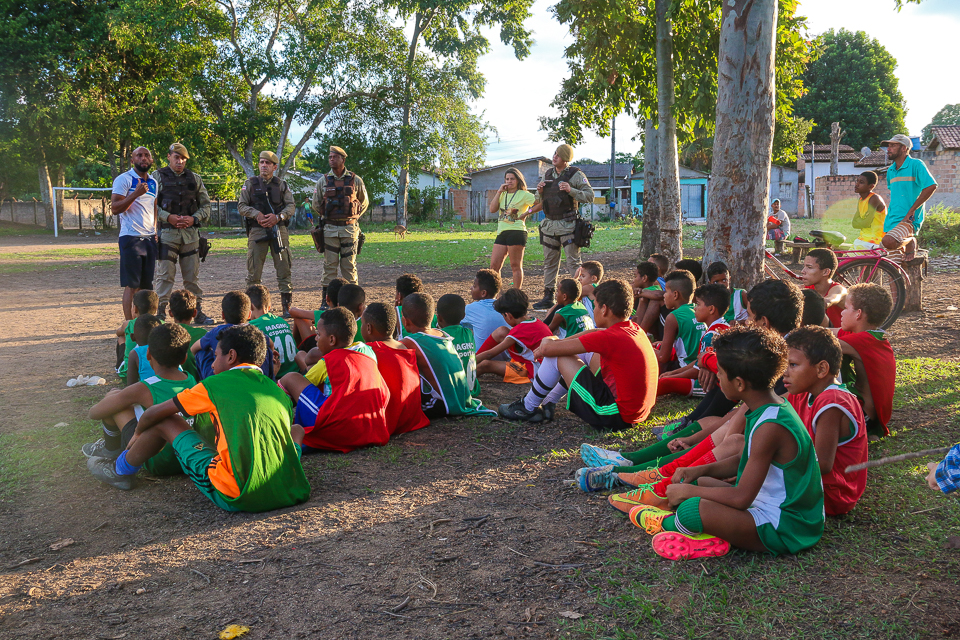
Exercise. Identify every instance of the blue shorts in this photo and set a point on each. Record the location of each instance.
(138, 261)
(308, 404)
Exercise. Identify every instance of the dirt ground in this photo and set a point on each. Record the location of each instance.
(463, 529)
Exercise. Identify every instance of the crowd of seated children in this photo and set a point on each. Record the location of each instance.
(255, 463)
(138, 366)
(647, 296)
(776, 502)
(519, 339)
(145, 302)
(353, 298)
(341, 401)
(871, 213)
(443, 382)
(305, 320)
(569, 317)
(589, 274)
(719, 273)
(274, 328)
(183, 311)
(480, 316)
(450, 312)
(710, 303)
(681, 330)
(608, 374)
(869, 366)
(235, 310)
(818, 268)
(397, 366)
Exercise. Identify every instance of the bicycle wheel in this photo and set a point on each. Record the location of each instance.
(884, 274)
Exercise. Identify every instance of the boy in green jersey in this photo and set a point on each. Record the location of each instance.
(256, 463)
(451, 309)
(570, 317)
(167, 347)
(277, 330)
(681, 331)
(183, 311)
(776, 502)
(145, 301)
(353, 298)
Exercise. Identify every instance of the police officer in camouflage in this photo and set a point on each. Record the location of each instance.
(562, 189)
(266, 203)
(183, 206)
(338, 202)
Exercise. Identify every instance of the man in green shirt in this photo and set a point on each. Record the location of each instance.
(910, 185)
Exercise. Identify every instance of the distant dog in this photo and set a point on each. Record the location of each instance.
(400, 231)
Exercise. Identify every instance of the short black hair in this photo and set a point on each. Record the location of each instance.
(717, 268)
(142, 327)
(682, 281)
(512, 301)
(352, 297)
(826, 259)
(451, 308)
(168, 344)
(814, 308)
(146, 301)
(418, 308)
(755, 354)
(818, 344)
(571, 288)
(490, 281)
(259, 296)
(649, 270)
(236, 307)
(248, 341)
(409, 283)
(661, 261)
(870, 176)
(339, 322)
(781, 303)
(872, 299)
(693, 266)
(594, 268)
(715, 295)
(382, 317)
(617, 295)
(183, 305)
(333, 290)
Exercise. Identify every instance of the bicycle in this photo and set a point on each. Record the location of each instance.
(859, 266)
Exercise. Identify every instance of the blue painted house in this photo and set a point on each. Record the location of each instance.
(693, 192)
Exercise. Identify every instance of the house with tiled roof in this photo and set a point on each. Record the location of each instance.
(942, 156)
(815, 162)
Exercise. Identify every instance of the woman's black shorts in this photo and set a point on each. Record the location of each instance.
(512, 238)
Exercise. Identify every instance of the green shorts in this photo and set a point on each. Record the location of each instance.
(195, 455)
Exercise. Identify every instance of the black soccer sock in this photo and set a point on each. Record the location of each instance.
(120, 350)
(111, 438)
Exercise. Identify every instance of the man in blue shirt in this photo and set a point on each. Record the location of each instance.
(910, 185)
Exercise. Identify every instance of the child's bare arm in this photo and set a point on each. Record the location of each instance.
(557, 322)
(301, 314)
(835, 295)
(122, 331)
(313, 357)
(553, 348)
(502, 346)
(422, 364)
(133, 368)
(195, 348)
(119, 399)
(686, 371)
(649, 294)
(670, 329)
(155, 414)
(849, 351)
(829, 425)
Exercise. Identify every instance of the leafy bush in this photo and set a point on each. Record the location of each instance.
(423, 205)
(941, 230)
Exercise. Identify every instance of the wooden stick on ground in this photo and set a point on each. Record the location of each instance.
(899, 458)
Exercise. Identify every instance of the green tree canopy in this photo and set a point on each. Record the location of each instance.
(950, 114)
(853, 83)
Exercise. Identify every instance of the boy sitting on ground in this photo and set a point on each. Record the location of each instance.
(274, 327)
(407, 284)
(681, 330)
(695, 267)
(814, 309)
(145, 302)
(663, 266)
(450, 310)
(138, 366)
(167, 348)
(305, 320)
(648, 295)
(183, 311)
(869, 367)
(353, 298)
(570, 317)
(479, 315)
(831, 414)
(443, 382)
(235, 309)
(609, 375)
(256, 463)
(519, 341)
(397, 366)
(718, 273)
(818, 269)
(341, 402)
(589, 274)
(710, 303)
(776, 502)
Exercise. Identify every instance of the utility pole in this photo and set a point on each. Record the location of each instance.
(613, 164)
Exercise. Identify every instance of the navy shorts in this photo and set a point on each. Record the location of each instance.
(591, 399)
(308, 404)
(138, 260)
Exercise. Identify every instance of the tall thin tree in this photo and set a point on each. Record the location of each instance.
(671, 233)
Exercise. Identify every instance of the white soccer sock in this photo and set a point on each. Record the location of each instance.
(548, 375)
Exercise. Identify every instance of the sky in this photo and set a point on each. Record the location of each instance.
(922, 38)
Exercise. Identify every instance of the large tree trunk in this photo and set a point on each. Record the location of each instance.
(46, 190)
(671, 240)
(743, 141)
(650, 234)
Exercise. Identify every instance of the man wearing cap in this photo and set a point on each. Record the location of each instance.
(561, 190)
(183, 206)
(778, 223)
(134, 200)
(265, 202)
(338, 202)
(910, 185)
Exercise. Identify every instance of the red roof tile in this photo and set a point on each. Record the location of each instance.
(947, 135)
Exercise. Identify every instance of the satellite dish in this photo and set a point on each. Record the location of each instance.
(865, 151)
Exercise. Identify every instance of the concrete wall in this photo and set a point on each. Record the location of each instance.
(818, 169)
(835, 198)
(783, 185)
(33, 213)
(491, 179)
(943, 165)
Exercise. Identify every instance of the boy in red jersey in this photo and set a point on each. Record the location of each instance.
(818, 269)
(520, 340)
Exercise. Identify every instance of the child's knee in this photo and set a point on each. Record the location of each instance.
(297, 433)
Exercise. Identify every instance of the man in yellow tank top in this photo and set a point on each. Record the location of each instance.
(871, 212)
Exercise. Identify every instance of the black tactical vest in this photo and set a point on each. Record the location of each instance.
(262, 191)
(340, 203)
(178, 193)
(559, 205)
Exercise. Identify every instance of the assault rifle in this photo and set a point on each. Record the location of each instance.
(273, 235)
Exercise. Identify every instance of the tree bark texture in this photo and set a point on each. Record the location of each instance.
(671, 240)
(743, 143)
(835, 135)
(46, 190)
(650, 233)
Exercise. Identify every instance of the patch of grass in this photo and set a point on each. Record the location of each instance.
(6, 269)
(421, 457)
(390, 453)
(9, 229)
(43, 454)
(928, 383)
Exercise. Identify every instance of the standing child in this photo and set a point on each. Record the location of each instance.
(681, 330)
(479, 315)
(138, 366)
(710, 303)
(718, 273)
(648, 296)
(305, 320)
(397, 366)
(871, 212)
(519, 341)
(450, 311)
(818, 269)
(145, 302)
(353, 298)
(570, 317)
(275, 328)
(183, 310)
(256, 463)
(589, 274)
(341, 402)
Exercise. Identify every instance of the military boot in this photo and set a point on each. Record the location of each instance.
(323, 299)
(162, 312)
(547, 302)
(286, 299)
(202, 318)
